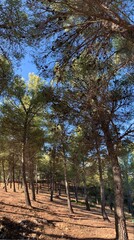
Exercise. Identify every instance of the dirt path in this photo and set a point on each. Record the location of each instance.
(50, 220)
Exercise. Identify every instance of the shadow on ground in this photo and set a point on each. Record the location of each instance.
(66, 237)
(18, 230)
(29, 230)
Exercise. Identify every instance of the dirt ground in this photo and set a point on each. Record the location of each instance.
(50, 220)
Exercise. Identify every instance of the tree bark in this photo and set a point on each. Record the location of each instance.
(76, 192)
(51, 187)
(31, 183)
(13, 175)
(76, 178)
(33, 190)
(31, 176)
(52, 169)
(68, 196)
(67, 185)
(102, 189)
(27, 197)
(120, 222)
(86, 197)
(59, 189)
(36, 177)
(4, 176)
(85, 189)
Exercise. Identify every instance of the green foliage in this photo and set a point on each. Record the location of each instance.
(124, 49)
(14, 29)
(73, 27)
(6, 73)
(21, 119)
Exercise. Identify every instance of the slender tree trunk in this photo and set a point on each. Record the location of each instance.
(67, 185)
(10, 183)
(24, 145)
(51, 182)
(21, 183)
(76, 192)
(86, 197)
(4, 176)
(102, 189)
(13, 175)
(36, 177)
(120, 222)
(52, 176)
(68, 196)
(33, 190)
(51, 187)
(75, 166)
(27, 197)
(102, 194)
(31, 183)
(85, 189)
(59, 189)
(31, 176)
(14, 187)
(19, 179)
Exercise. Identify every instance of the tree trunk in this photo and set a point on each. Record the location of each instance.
(59, 189)
(67, 185)
(51, 188)
(13, 175)
(85, 189)
(102, 194)
(33, 190)
(4, 176)
(24, 145)
(68, 196)
(10, 183)
(31, 183)
(19, 179)
(27, 198)
(31, 176)
(76, 192)
(14, 187)
(52, 170)
(36, 177)
(102, 189)
(120, 222)
(86, 197)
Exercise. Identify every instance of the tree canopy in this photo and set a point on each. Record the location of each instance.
(77, 127)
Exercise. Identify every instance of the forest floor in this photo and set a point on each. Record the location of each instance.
(50, 220)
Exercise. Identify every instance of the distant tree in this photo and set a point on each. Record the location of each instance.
(21, 116)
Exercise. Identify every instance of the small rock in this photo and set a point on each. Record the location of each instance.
(41, 221)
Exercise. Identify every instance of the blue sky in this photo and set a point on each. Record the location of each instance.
(26, 66)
